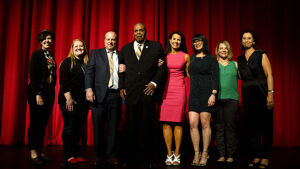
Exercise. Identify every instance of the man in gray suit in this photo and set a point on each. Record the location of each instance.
(101, 83)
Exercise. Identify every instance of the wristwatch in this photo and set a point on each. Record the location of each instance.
(271, 91)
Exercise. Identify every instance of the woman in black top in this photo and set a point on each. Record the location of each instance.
(257, 96)
(204, 75)
(71, 99)
(40, 95)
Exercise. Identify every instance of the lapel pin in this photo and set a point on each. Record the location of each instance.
(146, 46)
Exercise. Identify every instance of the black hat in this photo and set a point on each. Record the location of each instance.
(45, 32)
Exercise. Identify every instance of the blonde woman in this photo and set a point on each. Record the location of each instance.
(71, 99)
(227, 103)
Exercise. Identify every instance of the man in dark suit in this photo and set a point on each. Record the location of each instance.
(102, 89)
(137, 86)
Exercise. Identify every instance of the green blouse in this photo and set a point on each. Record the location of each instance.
(228, 81)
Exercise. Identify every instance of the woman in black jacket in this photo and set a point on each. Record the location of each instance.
(71, 99)
(40, 95)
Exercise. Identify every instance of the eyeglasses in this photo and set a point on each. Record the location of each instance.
(198, 42)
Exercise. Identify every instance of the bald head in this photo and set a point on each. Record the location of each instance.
(139, 32)
(110, 40)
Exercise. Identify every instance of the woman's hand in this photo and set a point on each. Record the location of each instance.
(39, 100)
(123, 93)
(211, 100)
(270, 100)
(69, 101)
(160, 62)
(122, 68)
(70, 104)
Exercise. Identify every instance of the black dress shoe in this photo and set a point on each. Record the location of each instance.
(129, 165)
(36, 161)
(97, 163)
(150, 166)
(113, 161)
(47, 159)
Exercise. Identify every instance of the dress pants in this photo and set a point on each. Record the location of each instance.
(140, 126)
(226, 114)
(259, 129)
(39, 116)
(109, 111)
(73, 121)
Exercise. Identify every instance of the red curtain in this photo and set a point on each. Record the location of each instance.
(276, 24)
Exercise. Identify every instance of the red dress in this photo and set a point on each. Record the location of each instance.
(174, 97)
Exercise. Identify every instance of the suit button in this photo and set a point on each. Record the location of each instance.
(139, 73)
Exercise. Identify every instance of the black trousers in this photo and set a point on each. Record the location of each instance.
(259, 131)
(39, 116)
(140, 126)
(109, 111)
(226, 115)
(73, 121)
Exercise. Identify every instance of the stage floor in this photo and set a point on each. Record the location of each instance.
(17, 157)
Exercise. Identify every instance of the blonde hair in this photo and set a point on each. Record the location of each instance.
(226, 43)
(72, 56)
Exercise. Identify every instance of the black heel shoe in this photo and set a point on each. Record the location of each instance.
(38, 161)
(253, 164)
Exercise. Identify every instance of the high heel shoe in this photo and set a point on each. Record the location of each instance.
(205, 159)
(176, 160)
(195, 162)
(169, 160)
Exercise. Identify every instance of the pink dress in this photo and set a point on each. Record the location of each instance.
(174, 97)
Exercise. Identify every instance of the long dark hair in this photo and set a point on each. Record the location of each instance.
(253, 36)
(182, 44)
(200, 37)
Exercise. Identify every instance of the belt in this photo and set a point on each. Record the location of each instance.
(113, 91)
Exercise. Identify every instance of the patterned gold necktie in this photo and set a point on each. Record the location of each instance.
(111, 69)
(139, 51)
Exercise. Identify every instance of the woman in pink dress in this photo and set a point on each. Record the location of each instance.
(174, 97)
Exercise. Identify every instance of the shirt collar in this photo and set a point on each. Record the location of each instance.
(114, 51)
(136, 43)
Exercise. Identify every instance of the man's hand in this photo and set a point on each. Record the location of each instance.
(39, 100)
(123, 93)
(90, 96)
(149, 90)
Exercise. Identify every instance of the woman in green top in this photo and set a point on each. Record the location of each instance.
(227, 103)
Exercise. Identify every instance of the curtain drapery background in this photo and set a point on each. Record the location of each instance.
(276, 25)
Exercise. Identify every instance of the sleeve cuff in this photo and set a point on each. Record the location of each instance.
(155, 85)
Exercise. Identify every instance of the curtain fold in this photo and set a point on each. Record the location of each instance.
(276, 24)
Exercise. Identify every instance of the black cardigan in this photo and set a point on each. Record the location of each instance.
(71, 81)
(39, 73)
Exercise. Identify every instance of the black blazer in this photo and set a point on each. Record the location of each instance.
(39, 73)
(140, 72)
(97, 73)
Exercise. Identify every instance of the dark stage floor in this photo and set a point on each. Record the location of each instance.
(18, 158)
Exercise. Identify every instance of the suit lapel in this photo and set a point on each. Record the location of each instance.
(105, 58)
(145, 50)
(132, 50)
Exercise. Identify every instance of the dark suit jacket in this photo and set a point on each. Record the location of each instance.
(97, 73)
(140, 72)
(39, 73)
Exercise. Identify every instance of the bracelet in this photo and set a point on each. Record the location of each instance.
(214, 94)
(271, 91)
